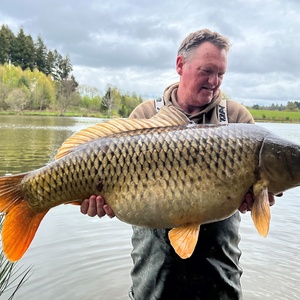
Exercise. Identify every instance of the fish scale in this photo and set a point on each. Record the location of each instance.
(140, 167)
(162, 169)
(164, 177)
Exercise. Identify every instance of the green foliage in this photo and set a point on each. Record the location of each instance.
(25, 89)
(23, 51)
(117, 104)
(291, 106)
(128, 103)
(23, 81)
(42, 90)
(6, 42)
(90, 97)
(92, 104)
(49, 63)
(17, 99)
(32, 90)
(41, 55)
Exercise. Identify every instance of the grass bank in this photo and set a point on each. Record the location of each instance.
(275, 116)
(54, 113)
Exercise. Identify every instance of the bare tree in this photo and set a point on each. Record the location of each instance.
(17, 99)
(110, 99)
(66, 94)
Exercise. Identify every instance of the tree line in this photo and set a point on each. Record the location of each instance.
(290, 106)
(21, 50)
(32, 77)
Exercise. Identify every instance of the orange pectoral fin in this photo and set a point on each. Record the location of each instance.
(19, 228)
(260, 213)
(184, 239)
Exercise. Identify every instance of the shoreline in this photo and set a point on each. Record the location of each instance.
(262, 116)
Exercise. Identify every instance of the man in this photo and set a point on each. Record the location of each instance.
(213, 271)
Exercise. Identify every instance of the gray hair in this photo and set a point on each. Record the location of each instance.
(195, 39)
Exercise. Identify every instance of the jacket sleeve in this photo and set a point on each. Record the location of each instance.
(238, 113)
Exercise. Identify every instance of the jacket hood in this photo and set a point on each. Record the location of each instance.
(170, 98)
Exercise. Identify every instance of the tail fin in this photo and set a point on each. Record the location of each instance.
(21, 222)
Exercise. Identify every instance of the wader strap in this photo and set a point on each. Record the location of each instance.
(159, 103)
(130, 294)
(222, 112)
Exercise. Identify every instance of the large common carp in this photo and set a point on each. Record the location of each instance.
(161, 173)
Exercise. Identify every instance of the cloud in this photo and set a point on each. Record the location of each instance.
(132, 44)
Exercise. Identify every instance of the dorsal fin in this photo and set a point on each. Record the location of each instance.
(167, 116)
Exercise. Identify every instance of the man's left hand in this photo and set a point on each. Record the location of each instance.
(249, 199)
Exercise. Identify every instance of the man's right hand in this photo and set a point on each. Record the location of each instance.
(96, 206)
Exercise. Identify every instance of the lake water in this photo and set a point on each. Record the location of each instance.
(77, 257)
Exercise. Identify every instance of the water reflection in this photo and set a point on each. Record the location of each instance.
(29, 142)
(76, 257)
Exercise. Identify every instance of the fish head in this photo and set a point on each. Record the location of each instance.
(279, 163)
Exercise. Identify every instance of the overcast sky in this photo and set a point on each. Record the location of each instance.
(132, 44)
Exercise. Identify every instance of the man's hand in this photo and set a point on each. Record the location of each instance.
(96, 206)
(249, 199)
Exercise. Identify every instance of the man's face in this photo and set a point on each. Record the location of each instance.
(201, 74)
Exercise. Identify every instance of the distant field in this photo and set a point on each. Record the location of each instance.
(275, 116)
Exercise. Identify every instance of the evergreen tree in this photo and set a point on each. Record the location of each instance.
(29, 54)
(6, 40)
(291, 106)
(23, 54)
(64, 67)
(297, 104)
(123, 111)
(49, 66)
(75, 83)
(21, 51)
(41, 53)
(18, 46)
(55, 70)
